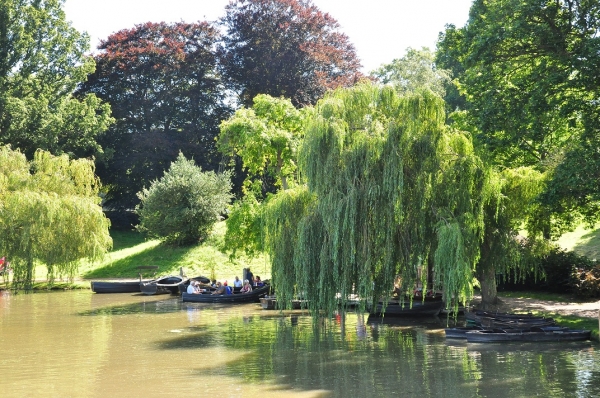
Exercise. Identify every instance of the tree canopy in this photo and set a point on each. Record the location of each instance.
(42, 60)
(528, 70)
(182, 206)
(49, 212)
(285, 48)
(266, 138)
(161, 82)
(389, 189)
(415, 71)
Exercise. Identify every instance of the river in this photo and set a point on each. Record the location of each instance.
(82, 344)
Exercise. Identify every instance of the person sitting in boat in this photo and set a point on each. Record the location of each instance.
(220, 289)
(257, 281)
(237, 282)
(193, 288)
(247, 288)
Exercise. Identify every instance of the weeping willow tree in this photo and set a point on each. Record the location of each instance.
(49, 213)
(389, 189)
(512, 207)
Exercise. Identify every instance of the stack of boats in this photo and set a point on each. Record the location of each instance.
(489, 327)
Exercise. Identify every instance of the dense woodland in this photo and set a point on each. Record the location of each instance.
(465, 161)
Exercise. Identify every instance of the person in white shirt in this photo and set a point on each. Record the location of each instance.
(193, 288)
(237, 282)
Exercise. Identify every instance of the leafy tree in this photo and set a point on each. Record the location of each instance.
(49, 212)
(265, 137)
(415, 71)
(184, 204)
(161, 82)
(389, 188)
(285, 48)
(528, 70)
(41, 62)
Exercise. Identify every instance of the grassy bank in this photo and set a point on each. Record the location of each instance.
(131, 249)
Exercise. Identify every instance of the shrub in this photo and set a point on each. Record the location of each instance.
(586, 282)
(556, 270)
(182, 206)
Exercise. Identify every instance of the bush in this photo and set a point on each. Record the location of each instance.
(586, 283)
(556, 270)
(184, 204)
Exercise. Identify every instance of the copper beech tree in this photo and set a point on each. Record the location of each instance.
(161, 82)
(285, 48)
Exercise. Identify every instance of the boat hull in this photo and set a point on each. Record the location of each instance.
(430, 307)
(494, 336)
(132, 286)
(270, 303)
(165, 285)
(253, 297)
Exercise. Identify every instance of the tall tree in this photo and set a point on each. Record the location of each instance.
(42, 59)
(415, 71)
(285, 48)
(529, 71)
(389, 187)
(161, 82)
(49, 212)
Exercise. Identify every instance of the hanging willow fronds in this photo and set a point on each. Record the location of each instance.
(49, 212)
(388, 185)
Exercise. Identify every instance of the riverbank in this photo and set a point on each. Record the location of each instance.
(581, 315)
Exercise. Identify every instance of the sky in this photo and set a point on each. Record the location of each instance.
(381, 30)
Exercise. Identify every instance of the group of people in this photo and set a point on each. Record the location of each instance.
(222, 288)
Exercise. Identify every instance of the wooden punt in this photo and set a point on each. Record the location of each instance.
(429, 307)
(536, 335)
(124, 286)
(207, 297)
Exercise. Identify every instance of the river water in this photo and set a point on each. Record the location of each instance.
(82, 344)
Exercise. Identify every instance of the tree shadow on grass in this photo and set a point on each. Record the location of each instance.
(589, 245)
(163, 256)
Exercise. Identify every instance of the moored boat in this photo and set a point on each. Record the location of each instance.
(431, 306)
(460, 332)
(236, 297)
(533, 335)
(270, 303)
(163, 285)
(123, 286)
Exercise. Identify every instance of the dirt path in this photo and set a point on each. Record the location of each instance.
(511, 304)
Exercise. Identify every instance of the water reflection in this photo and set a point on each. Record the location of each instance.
(106, 341)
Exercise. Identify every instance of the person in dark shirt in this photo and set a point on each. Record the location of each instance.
(249, 275)
(220, 289)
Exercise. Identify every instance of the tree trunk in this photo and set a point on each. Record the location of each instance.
(489, 291)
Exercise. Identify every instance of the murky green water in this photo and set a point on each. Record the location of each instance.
(81, 344)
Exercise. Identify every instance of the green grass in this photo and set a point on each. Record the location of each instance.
(583, 241)
(131, 250)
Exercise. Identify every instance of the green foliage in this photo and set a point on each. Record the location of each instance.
(415, 71)
(387, 187)
(42, 60)
(528, 72)
(49, 212)
(244, 228)
(265, 137)
(184, 204)
(586, 282)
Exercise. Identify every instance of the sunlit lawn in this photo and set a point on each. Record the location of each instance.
(208, 259)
